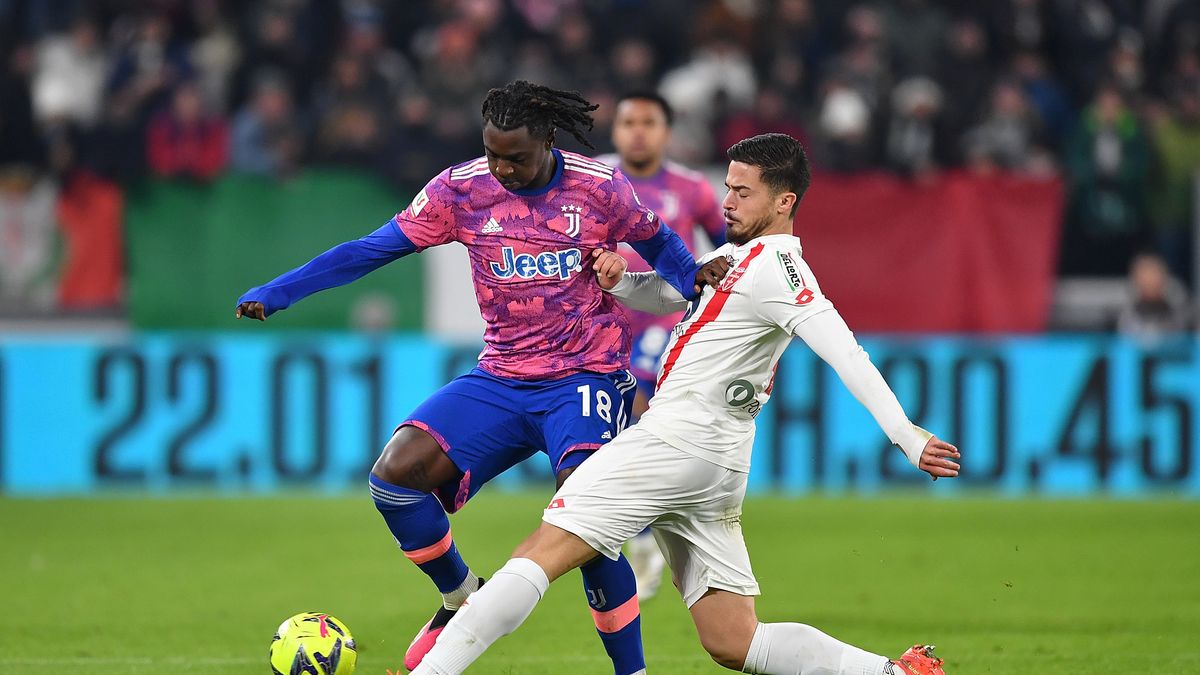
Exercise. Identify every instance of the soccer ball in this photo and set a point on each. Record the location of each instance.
(312, 643)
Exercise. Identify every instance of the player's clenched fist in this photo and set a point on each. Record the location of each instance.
(712, 272)
(610, 266)
(254, 310)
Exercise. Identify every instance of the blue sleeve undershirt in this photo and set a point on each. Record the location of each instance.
(670, 257)
(336, 267)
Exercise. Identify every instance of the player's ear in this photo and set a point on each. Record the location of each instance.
(550, 139)
(785, 202)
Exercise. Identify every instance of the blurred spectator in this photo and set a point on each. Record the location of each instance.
(844, 141)
(544, 15)
(1045, 95)
(718, 74)
(601, 134)
(454, 76)
(147, 68)
(149, 64)
(363, 41)
(19, 140)
(1084, 32)
(1107, 162)
(1157, 305)
(215, 53)
(69, 78)
(1171, 31)
(769, 114)
(349, 78)
(788, 75)
(916, 144)
(791, 31)
(351, 135)
(965, 74)
(1125, 64)
(1008, 137)
(186, 140)
(1176, 138)
(534, 62)
(275, 47)
(863, 64)
(267, 137)
(28, 240)
(1184, 73)
(420, 151)
(574, 45)
(914, 30)
(1022, 25)
(633, 65)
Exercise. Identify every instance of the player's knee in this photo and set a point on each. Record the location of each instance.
(727, 637)
(413, 459)
(728, 650)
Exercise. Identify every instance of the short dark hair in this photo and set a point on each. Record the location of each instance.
(653, 97)
(781, 160)
(539, 109)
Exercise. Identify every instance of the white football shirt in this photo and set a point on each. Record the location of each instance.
(719, 366)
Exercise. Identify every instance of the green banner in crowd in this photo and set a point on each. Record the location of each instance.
(193, 249)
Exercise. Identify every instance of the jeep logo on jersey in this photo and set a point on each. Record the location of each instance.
(739, 393)
(545, 264)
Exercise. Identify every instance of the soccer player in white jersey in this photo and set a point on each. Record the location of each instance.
(682, 469)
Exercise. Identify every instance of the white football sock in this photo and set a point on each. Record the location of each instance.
(455, 598)
(495, 610)
(797, 649)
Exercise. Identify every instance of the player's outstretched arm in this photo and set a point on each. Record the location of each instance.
(338, 266)
(828, 336)
(647, 291)
(788, 296)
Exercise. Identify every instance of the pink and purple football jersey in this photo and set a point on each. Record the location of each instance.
(684, 199)
(546, 317)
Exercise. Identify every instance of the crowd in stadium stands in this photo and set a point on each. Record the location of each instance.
(95, 94)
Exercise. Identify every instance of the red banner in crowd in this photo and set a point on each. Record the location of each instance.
(963, 253)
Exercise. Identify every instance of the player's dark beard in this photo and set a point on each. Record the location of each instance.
(746, 232)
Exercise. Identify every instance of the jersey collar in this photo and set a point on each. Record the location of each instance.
(776, 238)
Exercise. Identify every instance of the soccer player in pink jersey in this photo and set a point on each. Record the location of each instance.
(552, 376)
(679, 195)
(684, 198)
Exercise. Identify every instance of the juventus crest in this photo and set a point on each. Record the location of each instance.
(573, 214)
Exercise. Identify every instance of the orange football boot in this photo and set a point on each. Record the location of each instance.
(918, 660)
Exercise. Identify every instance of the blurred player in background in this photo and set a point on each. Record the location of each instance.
(683, 467)
(684, 198)
(553, 373)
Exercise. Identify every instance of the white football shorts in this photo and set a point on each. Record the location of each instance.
(694, 508)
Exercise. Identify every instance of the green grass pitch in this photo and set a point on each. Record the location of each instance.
(198, 585)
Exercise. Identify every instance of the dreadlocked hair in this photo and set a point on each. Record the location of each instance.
(540, 109)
